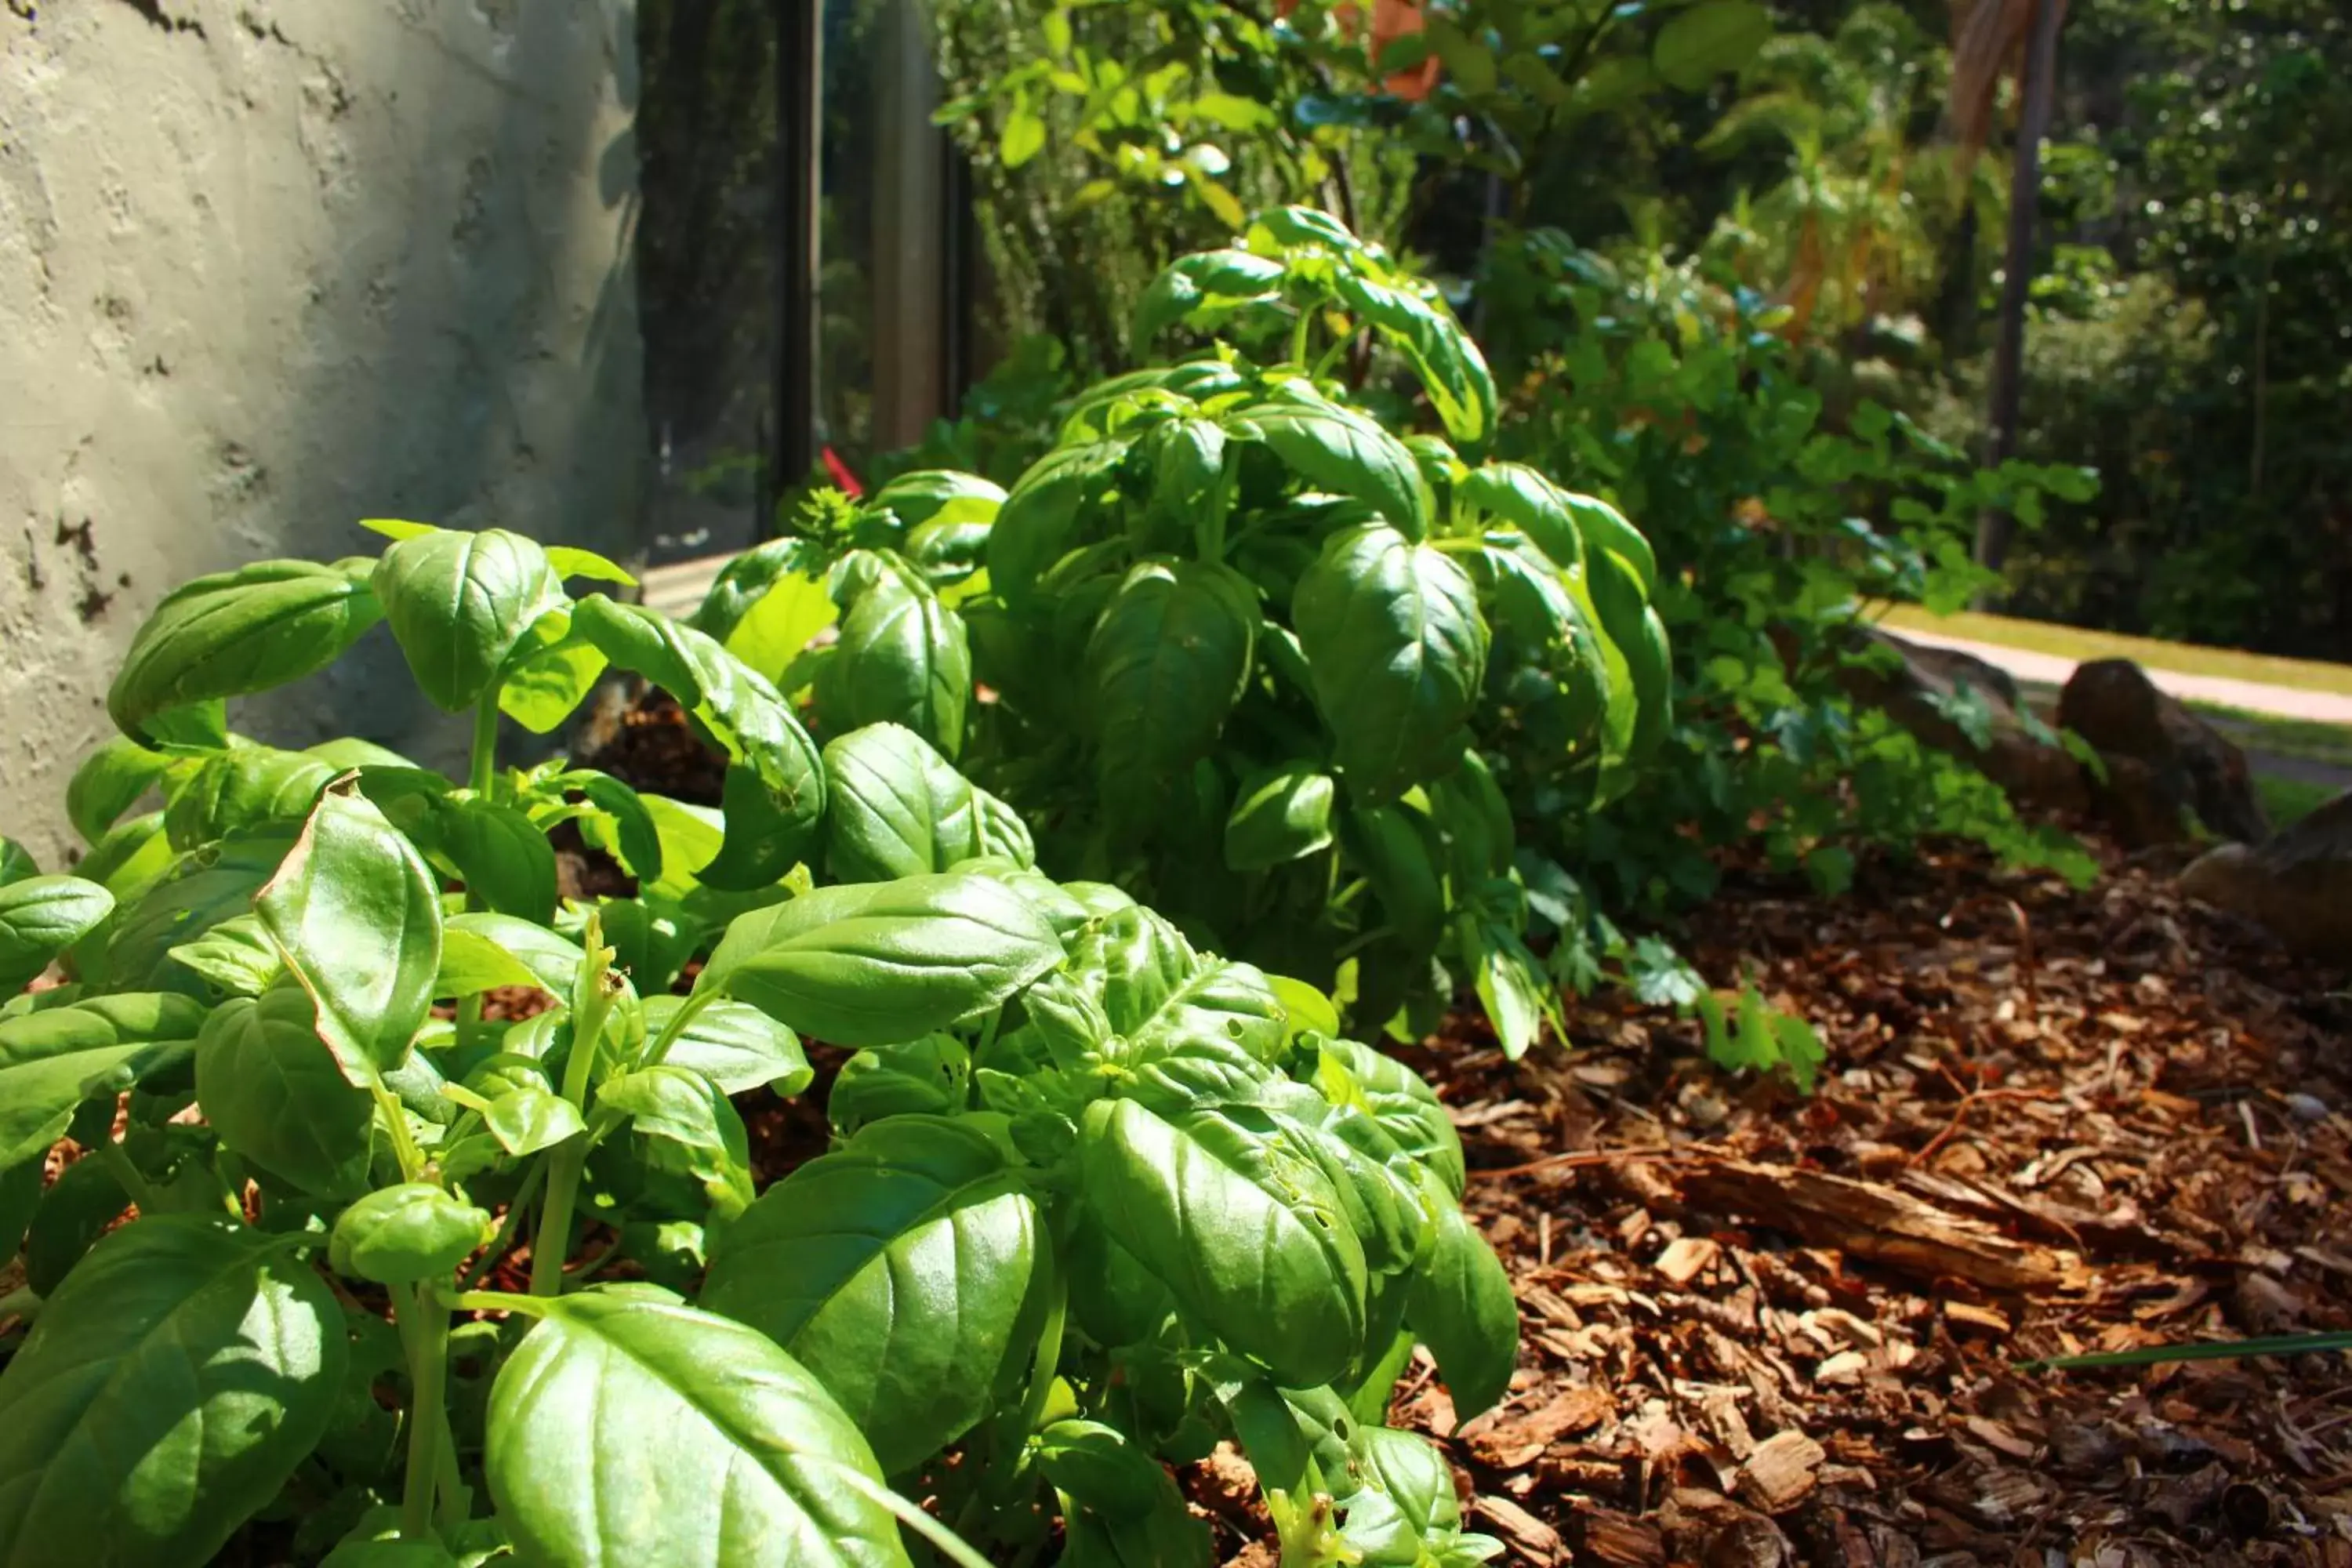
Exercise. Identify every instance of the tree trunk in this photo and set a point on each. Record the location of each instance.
(1995, 529)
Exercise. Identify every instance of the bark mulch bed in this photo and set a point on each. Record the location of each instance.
(1759, 1328)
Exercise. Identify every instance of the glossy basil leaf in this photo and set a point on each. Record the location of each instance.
(571, 561)
(1446, 358)
(246, 788)
(1281, 816)
(1113, 1297)
(40, 917)
(1513, 986)
(529, 1117)
(405, 1233)
(868, 963)
(1604, 527)
(1038, 519)
(460, 602)
(1392, 633)
(109, 783)
(1524, 498)
(53, 1060)
(690, 1115)
(1251, 1240)
(1460, 1305)
(689, 838)
(750, 720)
(651, 938)
(236, 632)
(1634, 630)
(472, 963)
(937, 495)
(166, 1393)
(931, 1076)
(900, 809)
(901, 657)
(196, 893)
(769, 603)
(541, 687)
(736, 1046)
(85, 1198)
(273, 1093)
(1170, 656)
(506, 861)
(1133, 1515)
(635, 840)
(552, 961)
(1164, 997)
(1204, 288)
(1403, 1104)
(628, 1428)
(16, 862)
(235, 957)
(1337, 449)
(358, 919)
(345, 752)
(897, 1269)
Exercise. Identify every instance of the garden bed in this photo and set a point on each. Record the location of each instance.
(1757, 1324)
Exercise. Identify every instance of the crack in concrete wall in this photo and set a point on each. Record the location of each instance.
(268, 268)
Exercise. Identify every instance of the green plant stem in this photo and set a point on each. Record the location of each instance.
(525, 1196)
(134, 1181)
(1298, 337)
(424, 1333)
(404, 1143)
(569, 1158)
(485, 771)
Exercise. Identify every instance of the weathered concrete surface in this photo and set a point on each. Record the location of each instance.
(266, 269)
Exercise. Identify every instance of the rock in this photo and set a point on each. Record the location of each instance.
(2298, 882)
(2162, 760)
(1931, 685)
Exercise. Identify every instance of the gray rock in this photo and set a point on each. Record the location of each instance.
(2162, 760)
(2298, 883)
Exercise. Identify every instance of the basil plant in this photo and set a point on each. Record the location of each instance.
(1252, 653)
(410, 1280)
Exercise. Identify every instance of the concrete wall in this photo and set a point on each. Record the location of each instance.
(267, 266)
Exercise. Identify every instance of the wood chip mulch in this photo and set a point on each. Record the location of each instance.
(1760, 1328)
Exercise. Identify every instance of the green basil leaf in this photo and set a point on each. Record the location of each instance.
(901, 658)
(1519, 495)
(1605, 527)
(897, 1270)
(1129, 1513)
(1406, 1108)
(868, 963)
(405, 1233)
(506, 861)
(1281, 816)
(736, 1046)
(1034, 527)
(1170, 658)
(529, 1117)
(1250, 1238)
(635, 840)
(688, 1112)
(358, 919)
(21, 1197)
(543, 688)
(769, 603)
(109, 783)
(1446, 358)
(237, 632)
(1343, 451)
(629, 1428)
(1638, 635)
(345, 752)
(235, 957)
(244, 788)
(165, 1394)
(86, 1198)
(40, 917)
(1159, 994)
(54, 1059)
(897, 808)
(926, 496)
(750, 718)
(1392, 633)
(16, 863)
(1203, 289)
(472, 963)
(1697, 46)
(1460, 1305)
(273, 1093)
(651, 938)
(459, 605)
(552, 961)
(571, 561)
(200, 891)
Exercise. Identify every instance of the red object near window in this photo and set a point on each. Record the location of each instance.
(843, 480)
(1391, 20)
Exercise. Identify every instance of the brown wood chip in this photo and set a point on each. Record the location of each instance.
(1780, 1472)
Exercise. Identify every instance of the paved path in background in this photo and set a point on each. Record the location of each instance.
(2251, 696)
